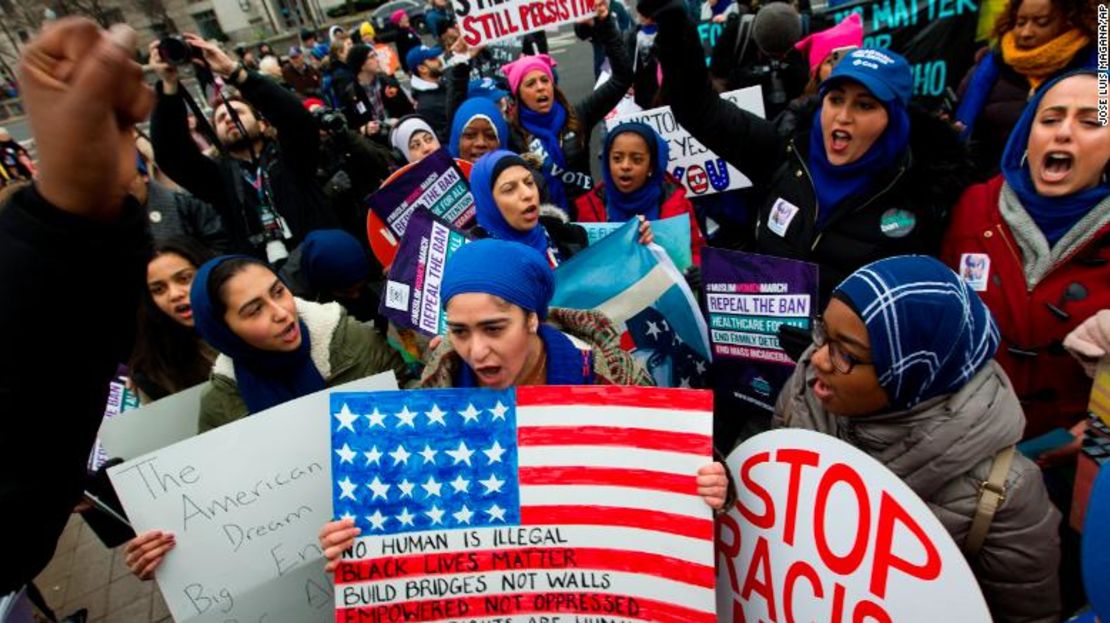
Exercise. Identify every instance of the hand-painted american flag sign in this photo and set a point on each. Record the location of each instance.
(534, 504)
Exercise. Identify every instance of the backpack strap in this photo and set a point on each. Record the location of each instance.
(743, 35)
(992, 492)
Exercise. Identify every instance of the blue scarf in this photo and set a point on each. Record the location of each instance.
(720, 7)
(265, 378)
(1055, 216)
(566, 363)
(978, 92)
(834, 184)
(477, 107)
(547, 127)
(489, 215)
(647, 199)
(930, 332)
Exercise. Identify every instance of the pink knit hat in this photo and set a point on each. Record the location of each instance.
(849, 32)
(397, 16)
(524, 65)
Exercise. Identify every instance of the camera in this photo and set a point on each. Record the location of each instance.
(176, 51)
(331, 121)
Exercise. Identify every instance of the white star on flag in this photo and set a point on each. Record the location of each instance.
(405, 517)
(400, 455)
(346, 454)
(497, 513)
(492, 484)
(653, 330)
(406, 487)
(379, 488)
(377, 418)
(462, 455)
(428, 454)
(470, 414)
(494, 452)
(460, 484)
(406, 417)
(499, 411)
(432, 487)
(377, 520)
(373, 456)
(346, 515)
(348, 488)
(346, 419)
(436, 415)
(436, 515)
(463, 516)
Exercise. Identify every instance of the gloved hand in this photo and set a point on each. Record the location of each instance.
(338, 184)
(693, 279)
(1090, 341)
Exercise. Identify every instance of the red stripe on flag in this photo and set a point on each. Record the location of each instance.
(614, 436)
(614, 396)
(542, 558)
(611, 476)
(610, 606)
(682, 525)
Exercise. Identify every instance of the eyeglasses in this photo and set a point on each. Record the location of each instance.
(843, 362)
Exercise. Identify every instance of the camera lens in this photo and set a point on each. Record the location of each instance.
(174, 51)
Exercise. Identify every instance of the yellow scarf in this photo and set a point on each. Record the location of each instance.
(1038, 64)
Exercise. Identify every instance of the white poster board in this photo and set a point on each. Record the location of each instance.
(246, 502)
(823, 532)
(482, 22)
(153, 426)
(699, 170)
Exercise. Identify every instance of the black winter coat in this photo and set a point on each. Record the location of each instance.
(55, 371)
(290, 162)
(904, 211)
(589, 111)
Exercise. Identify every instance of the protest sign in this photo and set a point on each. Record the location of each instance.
(435, 184)
(120, 399)
(412, 290)
(506, 51)
(937, 37)
(153, 426)
(387, 58)
(533, 504)
(673, 234)
(639, 289)
(823, 532)
(699, 170)
(487, 21)
(246, 502)
(748, 297)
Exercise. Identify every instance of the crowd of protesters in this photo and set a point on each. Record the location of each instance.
(964, 289)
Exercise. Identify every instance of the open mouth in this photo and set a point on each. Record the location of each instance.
(1057, 165)
(488, 373)
(624, 181)
(839, 140)
(821, 390)
(183, 310)
(542, 99)
(290, 334)
(531, 212)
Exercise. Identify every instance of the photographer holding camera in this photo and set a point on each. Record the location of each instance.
(372, 102)
(351, 167)
(264, 189)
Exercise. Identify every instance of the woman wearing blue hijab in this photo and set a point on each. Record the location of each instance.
(478, 128)
(1032, 242)
(274, 347)
(508, 208)
(854, 176)
(902, 368)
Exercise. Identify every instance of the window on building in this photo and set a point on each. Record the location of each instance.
(208, 25)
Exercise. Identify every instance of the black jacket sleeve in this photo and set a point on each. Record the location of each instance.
(596, 105)
(56, 369)
(744, 140)
(177, 154)
(204, 223)
(297, 132)
(458, 84)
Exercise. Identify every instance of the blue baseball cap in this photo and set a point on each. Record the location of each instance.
(885, 74)
(418, 55)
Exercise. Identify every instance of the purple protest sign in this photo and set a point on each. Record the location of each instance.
(436, 184)
(748, 297)
(412, 291)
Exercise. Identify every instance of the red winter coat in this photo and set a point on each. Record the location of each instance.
(1053, 388)
(591, 209)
